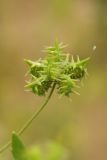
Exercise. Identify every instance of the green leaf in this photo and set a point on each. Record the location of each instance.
(34, 153)
(18, 148)
(55, 152)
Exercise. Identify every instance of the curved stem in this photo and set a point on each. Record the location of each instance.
(30, 120)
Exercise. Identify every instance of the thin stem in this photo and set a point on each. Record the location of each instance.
(30, 120)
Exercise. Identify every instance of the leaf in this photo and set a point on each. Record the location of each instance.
(18, 148)
(34, 153)
(55, 152)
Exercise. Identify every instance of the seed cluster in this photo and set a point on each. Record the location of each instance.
(59, 68)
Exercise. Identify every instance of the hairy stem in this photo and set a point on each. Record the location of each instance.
(30, 120)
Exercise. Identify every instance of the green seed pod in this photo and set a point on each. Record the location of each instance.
(56, 68)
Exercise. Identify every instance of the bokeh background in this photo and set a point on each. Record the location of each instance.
(26, 26)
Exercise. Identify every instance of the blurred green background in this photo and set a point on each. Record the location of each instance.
(26, 26)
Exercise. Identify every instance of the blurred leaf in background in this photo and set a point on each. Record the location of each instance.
(51, 151)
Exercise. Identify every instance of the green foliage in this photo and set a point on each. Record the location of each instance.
(18, 149)
(34, 154)
(55, 151)
(51, 151)
(59, 68)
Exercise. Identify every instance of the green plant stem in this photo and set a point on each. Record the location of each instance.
(30, 120)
